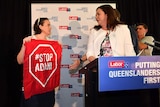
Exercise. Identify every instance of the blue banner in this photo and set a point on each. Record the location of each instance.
(128, 73)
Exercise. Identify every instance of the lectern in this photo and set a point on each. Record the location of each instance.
(120, 98)
(90, 71)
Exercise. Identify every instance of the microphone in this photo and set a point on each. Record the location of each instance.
(158, 48)
(156, 42)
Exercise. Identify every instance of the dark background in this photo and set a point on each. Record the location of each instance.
(15, 25)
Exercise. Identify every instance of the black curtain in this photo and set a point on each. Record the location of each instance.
(15, 25)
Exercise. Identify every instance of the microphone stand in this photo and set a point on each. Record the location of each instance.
(158, 48)
(156, 42)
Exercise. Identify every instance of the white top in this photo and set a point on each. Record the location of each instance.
(34, 37)
(120, 39)
(148, 51)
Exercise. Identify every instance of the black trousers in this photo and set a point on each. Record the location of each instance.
(41, 100)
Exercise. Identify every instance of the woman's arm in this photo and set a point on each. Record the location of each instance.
(20, 56)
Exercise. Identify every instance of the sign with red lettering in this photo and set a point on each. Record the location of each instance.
(42, 62)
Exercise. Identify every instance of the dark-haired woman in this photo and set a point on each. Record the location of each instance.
(110, 37)
(42, 29)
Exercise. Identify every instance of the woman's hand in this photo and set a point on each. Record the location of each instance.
(74, 65)
(27, 39)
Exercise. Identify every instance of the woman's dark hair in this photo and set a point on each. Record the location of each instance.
(38, 22)
(117, 14)
(112, 17)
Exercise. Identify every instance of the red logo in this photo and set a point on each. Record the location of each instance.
(73, 17)
(65, 85)
(65, 66)
(75, 94)
(63, 27)
(63, 9)
(74, 55)
(116, 64)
